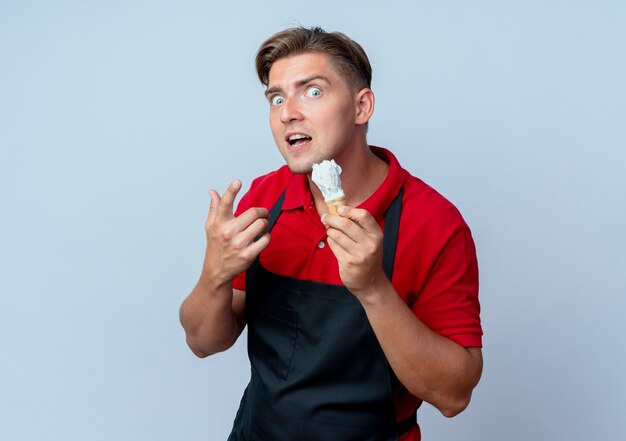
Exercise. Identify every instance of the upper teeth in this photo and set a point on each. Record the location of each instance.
(295, 137)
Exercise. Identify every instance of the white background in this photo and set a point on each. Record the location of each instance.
(117, 117)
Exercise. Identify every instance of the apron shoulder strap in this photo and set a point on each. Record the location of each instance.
(390, 238)
(277, 208)
(275, 211)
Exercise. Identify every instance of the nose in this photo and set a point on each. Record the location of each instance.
(290, 111)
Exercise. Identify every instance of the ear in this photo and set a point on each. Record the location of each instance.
(364, 100)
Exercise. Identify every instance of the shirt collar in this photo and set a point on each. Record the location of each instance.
(298, 194)
(380, 200)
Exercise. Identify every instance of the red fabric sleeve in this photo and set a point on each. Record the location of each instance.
(448, 303)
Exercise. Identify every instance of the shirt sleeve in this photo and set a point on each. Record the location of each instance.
(448, 303)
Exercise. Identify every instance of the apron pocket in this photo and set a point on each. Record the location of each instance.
(272, 336)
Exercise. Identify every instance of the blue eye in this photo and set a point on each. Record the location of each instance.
(277, 100)
(313, 92)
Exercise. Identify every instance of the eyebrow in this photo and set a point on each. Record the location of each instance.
(299, 83)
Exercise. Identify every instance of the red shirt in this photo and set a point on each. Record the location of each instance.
(435, 269)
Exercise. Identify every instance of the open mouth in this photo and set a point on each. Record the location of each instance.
(298, 139)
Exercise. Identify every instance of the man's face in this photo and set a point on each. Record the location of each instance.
(312, 111)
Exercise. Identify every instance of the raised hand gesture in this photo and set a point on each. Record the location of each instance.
(231, 247)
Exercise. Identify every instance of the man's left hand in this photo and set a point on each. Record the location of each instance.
(357, 241)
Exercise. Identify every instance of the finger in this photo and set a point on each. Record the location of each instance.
(213, 208)
(251, 231)
(256, 247)
(342, 240)
(346, 225)
(340, 252)
(245, 219)
(362, 217)
(228, 199)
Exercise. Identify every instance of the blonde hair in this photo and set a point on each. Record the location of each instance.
(347, 55)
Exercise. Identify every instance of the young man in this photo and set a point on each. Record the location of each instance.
(353, 319)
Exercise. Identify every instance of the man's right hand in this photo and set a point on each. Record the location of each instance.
(231, 247)
(213, 315)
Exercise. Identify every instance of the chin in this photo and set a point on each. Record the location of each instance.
(300, 169)
(299, 166)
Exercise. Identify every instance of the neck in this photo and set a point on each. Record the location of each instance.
(362, 173)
